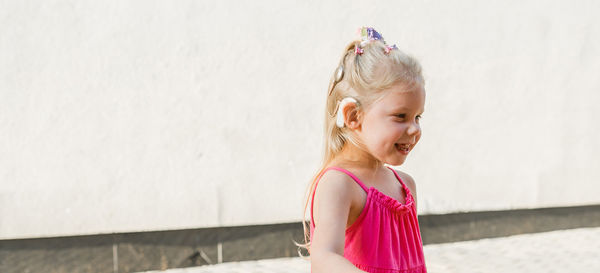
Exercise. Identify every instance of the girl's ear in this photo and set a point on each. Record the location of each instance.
(352, 116)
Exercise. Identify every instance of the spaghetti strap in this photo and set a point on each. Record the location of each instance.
(362, 185)
(400, 180)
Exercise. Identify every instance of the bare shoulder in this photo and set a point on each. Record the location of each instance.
(406, 178)
(333, 194)
(334, 189)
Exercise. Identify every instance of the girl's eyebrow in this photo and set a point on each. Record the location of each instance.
(404, 109)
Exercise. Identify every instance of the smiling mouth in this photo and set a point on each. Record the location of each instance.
(405, 148)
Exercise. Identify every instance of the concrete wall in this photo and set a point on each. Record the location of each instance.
(119, 116)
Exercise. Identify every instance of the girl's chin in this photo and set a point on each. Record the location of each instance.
(397, 162)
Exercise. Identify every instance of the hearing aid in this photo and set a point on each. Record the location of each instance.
(340, 111)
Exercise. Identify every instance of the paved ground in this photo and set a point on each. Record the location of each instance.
(574, 250)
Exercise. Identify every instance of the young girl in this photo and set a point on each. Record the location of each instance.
(364, 213)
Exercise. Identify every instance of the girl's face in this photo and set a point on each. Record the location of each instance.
(390, 126)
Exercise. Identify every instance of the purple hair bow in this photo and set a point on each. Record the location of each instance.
(369, 34)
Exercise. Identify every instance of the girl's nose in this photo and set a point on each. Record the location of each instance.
(414, 129)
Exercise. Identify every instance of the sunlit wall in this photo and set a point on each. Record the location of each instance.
(126, 116)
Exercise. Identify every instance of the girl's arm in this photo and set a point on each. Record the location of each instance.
(333, 199)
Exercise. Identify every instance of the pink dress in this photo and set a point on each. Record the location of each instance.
(385, 238)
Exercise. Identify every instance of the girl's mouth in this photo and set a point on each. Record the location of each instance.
(403, 148)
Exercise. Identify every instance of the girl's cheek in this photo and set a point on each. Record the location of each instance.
(402, 127)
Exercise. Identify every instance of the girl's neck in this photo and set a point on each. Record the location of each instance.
(358, 158)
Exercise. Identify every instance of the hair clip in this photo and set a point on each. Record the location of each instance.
(358, 50)
(369, 34)
(390, 48)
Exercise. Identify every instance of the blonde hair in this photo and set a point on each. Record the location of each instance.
(365, 77)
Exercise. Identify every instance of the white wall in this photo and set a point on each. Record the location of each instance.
(120, 116)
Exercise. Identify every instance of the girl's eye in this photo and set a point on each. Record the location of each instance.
(418, 117)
